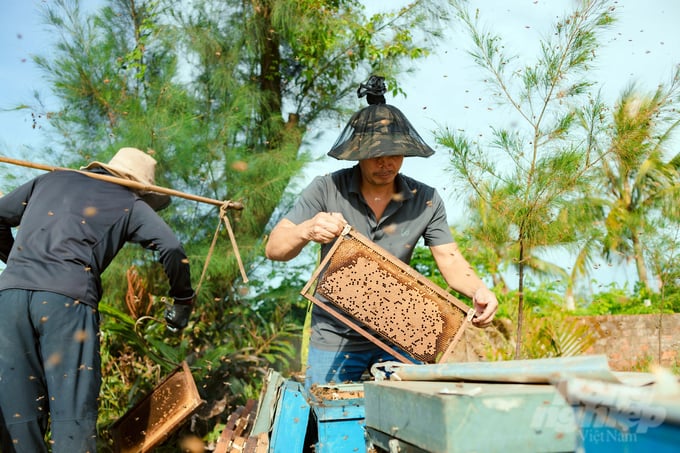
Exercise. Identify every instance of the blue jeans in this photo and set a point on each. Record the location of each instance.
(324, 367)
(49, 370)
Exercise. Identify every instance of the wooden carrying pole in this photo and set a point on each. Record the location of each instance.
(224, 205)
(128, 183)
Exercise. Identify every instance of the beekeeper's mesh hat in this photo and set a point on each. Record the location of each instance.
(378, 130)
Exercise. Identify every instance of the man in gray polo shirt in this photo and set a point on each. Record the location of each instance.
(391, 209)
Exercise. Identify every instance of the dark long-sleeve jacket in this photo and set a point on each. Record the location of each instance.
(68, 229)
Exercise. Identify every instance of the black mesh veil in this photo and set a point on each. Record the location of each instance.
(378, 130)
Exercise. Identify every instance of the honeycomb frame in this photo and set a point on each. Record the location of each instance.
(387, 301)
(153, 419)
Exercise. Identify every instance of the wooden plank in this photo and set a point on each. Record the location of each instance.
(267, 403)
(238, 423)
(251, 445)
(290, 422)
(257, 444)
(238, 445)
(262, 443)
(225, 440)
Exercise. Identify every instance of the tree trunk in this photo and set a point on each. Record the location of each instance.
(569, 298)
(640, 261)
(520, 301)
(270, 76)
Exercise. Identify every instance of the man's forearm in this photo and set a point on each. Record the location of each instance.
(285, 241)
(456, 270)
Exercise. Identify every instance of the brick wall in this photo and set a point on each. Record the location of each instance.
(629, 340)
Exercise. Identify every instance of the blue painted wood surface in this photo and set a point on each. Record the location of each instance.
(340, 422)
(291, 419)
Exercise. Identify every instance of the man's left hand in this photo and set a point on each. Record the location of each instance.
(485, 305)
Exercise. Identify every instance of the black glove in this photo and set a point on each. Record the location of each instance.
(177, 315)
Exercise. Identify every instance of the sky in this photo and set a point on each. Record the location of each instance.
(448, 90)
(445, 90)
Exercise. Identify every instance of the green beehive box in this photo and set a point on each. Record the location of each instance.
(448, 417)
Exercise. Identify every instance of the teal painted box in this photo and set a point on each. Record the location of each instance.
(449, 417)
(290, 422)
(339, 415)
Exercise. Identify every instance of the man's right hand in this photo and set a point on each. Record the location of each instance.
(287, 239)
(325, 227)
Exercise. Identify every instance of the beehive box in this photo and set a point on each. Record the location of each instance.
(338, 411)
(620, 417)
(451, 417)
(386, 300)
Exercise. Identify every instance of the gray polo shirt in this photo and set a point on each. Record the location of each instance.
(417, 211)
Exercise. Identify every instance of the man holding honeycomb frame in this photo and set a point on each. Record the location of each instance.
(391, 209)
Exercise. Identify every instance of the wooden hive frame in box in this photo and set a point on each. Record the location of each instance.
(158, 414)
(386, 300)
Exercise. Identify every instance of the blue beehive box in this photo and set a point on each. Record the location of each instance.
(622, 418)
(290, 422)
(338, 412)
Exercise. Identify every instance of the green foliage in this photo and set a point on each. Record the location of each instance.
(639, 184)
(547, 165)
(555, 184)
(549, 329)
(424, 263)
(204, 87)
(617, 301)
(221, 93)
(606, 302)
(228, 369)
